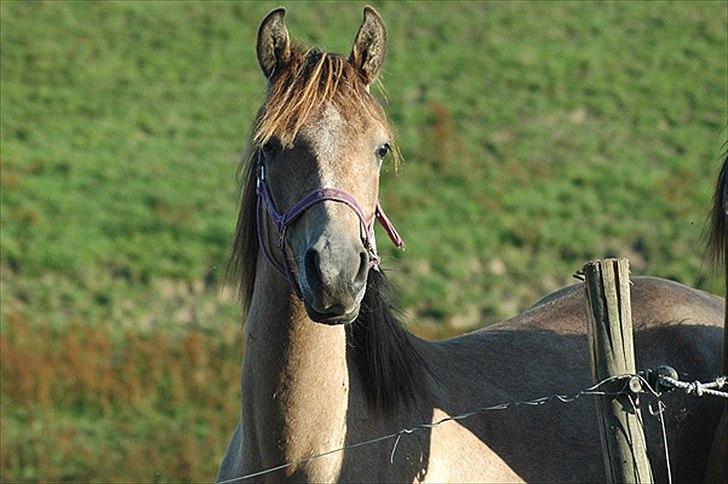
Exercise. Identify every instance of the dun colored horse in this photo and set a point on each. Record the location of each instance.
(327, 363)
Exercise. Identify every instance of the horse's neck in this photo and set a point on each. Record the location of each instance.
(295, 379)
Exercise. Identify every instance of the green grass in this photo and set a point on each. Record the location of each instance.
(536, 136)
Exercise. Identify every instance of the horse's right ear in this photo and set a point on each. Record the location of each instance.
(370, 46)
(273, 45)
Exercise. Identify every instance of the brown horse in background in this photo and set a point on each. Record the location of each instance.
(327, 363)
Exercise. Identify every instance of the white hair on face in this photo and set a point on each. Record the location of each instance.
(327, 138)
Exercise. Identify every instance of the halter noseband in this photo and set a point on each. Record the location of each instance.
(283, 220)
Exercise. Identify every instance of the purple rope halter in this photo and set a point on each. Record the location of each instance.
(283, 220)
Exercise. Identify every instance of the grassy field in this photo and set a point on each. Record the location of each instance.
(535, 136)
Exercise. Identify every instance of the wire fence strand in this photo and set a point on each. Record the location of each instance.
(661, 407)
(696, 389)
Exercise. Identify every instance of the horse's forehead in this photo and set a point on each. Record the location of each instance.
(329, 132)
(337, 141)
(333, 132)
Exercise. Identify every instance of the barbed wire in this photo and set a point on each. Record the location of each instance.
(696, 388)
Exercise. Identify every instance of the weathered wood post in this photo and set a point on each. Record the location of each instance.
(609, 331)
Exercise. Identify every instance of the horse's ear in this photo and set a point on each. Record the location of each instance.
(273, 45)
(370, 45)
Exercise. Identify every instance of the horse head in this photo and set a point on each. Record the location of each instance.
(320, 141)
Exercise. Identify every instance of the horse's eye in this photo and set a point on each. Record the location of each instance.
(383, 150)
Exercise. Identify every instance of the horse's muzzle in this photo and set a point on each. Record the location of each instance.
(331, 319)
(333, 279)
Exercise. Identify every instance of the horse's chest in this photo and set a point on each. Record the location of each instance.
(458, 455)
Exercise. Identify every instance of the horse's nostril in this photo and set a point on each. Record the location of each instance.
(311, 262)
(361, 275)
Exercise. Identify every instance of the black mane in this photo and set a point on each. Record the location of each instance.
(717, 225)
(389, 364)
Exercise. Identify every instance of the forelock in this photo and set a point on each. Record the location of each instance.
(310, 82)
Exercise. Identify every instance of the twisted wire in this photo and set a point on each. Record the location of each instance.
(692, 388)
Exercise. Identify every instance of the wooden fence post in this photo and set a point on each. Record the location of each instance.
(609, 331)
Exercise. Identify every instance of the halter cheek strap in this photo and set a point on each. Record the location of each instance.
(282, 221)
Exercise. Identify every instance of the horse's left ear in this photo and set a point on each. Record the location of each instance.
(273, 46)
(370, 45)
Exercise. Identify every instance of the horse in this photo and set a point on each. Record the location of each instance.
(327, 363)
(717, 468)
